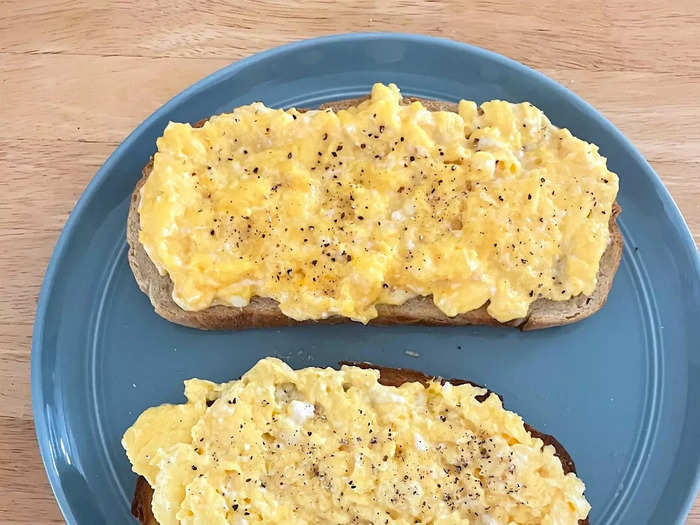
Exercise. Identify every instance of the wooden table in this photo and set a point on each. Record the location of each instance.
(77, 76)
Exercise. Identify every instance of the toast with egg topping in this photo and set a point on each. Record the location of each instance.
(393, 304)
(569, 507)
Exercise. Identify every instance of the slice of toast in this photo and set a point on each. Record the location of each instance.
(264, 312)
(141, 503)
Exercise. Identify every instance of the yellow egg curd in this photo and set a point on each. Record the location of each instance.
(334, 212)
(331, 446)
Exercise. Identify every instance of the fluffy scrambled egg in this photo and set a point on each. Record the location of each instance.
(332, 213)
(335, 446)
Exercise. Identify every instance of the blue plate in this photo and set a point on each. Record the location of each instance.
(616, 389)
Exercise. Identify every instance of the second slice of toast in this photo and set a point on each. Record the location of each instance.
(141, 503)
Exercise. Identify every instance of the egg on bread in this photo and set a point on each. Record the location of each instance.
(347, 213)
(355, 445)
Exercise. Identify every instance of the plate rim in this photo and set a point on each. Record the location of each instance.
(38, 393)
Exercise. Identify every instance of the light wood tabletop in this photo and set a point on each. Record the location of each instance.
(77, 76)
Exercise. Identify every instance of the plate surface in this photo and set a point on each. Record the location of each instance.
(615, 389)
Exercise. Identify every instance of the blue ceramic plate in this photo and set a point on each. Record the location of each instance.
(616, 389)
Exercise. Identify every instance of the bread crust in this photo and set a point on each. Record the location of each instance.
(141, 503)
(264, 312)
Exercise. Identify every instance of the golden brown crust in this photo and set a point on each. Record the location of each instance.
(141, 507)
(264, 312)
(141, 504)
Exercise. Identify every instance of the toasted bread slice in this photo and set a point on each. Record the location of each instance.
(141, 503)
(264, 312)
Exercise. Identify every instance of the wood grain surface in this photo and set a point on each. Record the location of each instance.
(77, 76)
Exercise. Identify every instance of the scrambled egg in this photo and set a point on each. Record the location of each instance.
(332, 213)
(328, 446)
